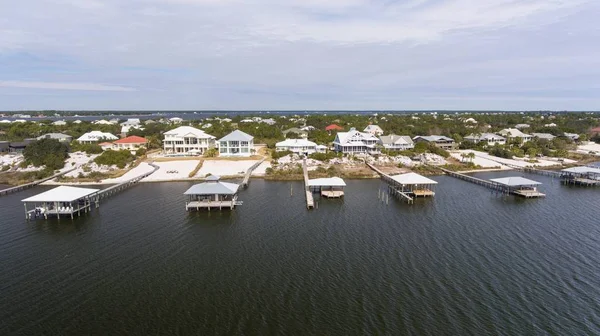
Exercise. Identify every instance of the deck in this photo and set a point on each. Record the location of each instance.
(310, 202)
(423, 193)
(528, 193)
(332, 193)
(197, 205)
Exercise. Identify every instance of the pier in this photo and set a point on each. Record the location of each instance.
(212, 194)
(581, 176)
(246, 180)
(408, 186)
(310, 202)
(124, 185)
(518, 186)
(21, 187)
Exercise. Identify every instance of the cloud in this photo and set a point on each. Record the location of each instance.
(65, 86)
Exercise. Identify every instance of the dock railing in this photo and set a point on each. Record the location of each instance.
(124, 185)
(310, 202)
(246, 180)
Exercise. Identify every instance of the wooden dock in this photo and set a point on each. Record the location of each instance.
(246, 180)
(393, 187)
(310, 202)
(496, 187)
(21, 187)
(123, 185)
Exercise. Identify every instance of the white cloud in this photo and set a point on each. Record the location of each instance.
(65, 86)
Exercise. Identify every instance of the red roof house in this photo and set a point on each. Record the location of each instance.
(131, 142)
(334, 127)
(595, 130)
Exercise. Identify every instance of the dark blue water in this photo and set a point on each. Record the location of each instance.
(464, 263)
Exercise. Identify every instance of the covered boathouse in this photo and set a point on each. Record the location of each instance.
(413, 184)
(519, 186)
(585, 176)
(212, 194)
(330, 187)
(63, 201)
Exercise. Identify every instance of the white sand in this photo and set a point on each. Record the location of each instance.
(485, 160)
(590, 147)
(478, 160)
(182, 170)
(10, 159)
(230, 168)
(141, 169)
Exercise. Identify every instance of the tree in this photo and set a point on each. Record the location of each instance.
(471, 156)
(46, 152)
(211, 152)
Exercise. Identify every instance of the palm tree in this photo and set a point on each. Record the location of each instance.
(471, 156)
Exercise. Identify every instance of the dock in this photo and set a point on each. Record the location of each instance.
(581, 176)
(509, 185)
(21, 187)
(408, 186)
(104, 193)
(212, 194)
(246, 180)
(310, 202)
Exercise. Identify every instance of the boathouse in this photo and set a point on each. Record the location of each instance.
(61, 201)
(330, 187)
(415, 184)
(586, 176)
(212, 194)
(519, 186)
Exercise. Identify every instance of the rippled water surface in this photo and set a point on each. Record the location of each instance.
(464, 263)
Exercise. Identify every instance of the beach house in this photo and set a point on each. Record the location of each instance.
(95, 136)
(354, 142)
(298, 146)
(236, 143)
(396, 142)
(373, 129)
(57, 136)
(130, 143)
(489, 139)
(515, 133)
(187, 140)
(440, 141)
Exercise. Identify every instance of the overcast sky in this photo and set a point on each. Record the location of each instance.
(300, 54)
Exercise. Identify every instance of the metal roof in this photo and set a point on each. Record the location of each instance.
(515, 181)
(412, 178)
(295, 143)
(582, 170)
(61, 194)
(237, 135)
(327, 182)
(213, 187)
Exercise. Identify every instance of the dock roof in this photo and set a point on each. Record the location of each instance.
(213, 187)
(327, 182)
(61, 194)
(412, 178)
(515, 181)
(582, 170)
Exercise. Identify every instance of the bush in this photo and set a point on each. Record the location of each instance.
(119, 158)
(46, 152)
(211, 152)
(5, 168)
(324, 156)
(140, 152)
(276, 154)
(269, 171)
(87, 148)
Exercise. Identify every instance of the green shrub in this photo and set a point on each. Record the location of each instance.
(46, 152)
(119, 158)
(276, 154)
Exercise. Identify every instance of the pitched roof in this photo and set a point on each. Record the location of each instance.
(334, 127)
(61, 194)
(513, 132)
(582, 170)
(485, 136)
(354, 136)
(96, 135)
(370, 128)
(295, 143)
(187, 130)
(213, 187)
(327, 182)
(515, 181)
(237, 135)
(134, 139)
(395, 139)
(412, 178)
(543, 135)
(433, 138)
(53, 136)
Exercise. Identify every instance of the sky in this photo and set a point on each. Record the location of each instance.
(299, 54)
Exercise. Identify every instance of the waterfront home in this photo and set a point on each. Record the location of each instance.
(77, 121)
(521, 126)
(550, 125)
(334, 127)
(61, 201)
(95, 136)
(295, 130)
(212, 194)
(330, 187)
(396, 142)
(490, 139)
(101, 122)
(57, 136)
(515, 133)
(440, 141)
(545, 136)
(470, 121)
(187, 140)
(373, 129)
(130, 143)
(236, 143)
(131, 122)
(354, 142)
(269, 121)
(59, 123)
(321, 149)
(106, 145)
(298, 146)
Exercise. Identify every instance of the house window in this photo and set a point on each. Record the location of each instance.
(244, 143)
(223, 144)
(222, 150)
(234, 143)
(244, 150)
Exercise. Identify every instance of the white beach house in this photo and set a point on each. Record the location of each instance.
(96, 136)
(236, 143)
(515, 133)
(490, 139)
(396, 142)
(353, 142)
(187, 140)
(298, 146)
(373, 129)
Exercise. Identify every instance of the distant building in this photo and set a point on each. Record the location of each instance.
(176, 120)
(470, 121)
(59, 123)
(396, 142)
(490, 139)
(522, 126)
(550, 125)
(131, 122)
(295, 130)
(77, 122)
(440, 141)
(515, 133)
(187, 140)
(106, 145)
(595, 130)
(334, 127)
(95, 136)
(57, 136)
(4, 146)
(373, 129)
(19, 146)
(545, 136)
(102, 122)
(572, 136)
(131, 143)
(354, 142)
(236, 143)
(298, 146)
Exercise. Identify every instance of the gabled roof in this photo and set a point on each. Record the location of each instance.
(237, 135)
(96, 135)
(295, 143)
(354, 136)
(134, 139)
(543, 136)
(433, 138)
(213, 187)
(412, 178)
(513, 132)
(395, 139)
(189, 130)
(334, 127)
(373, 128)
(61, 194)
(515, 181)
(485, 137)
(54, 136)
(327, 182)
(582, 170)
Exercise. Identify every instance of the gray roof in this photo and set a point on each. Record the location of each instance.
(294, 130)
(543, 136)
(54, 136)
(237, 135)
(515, 181)
(392, 138)
(213, 187)
(582, 170)
(62, 194)
(434, 138)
